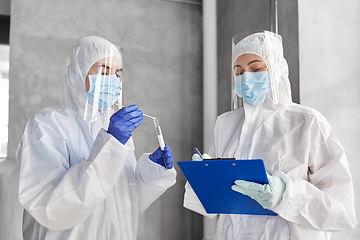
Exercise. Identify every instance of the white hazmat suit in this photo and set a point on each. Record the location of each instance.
(76, 180)
(296, 144)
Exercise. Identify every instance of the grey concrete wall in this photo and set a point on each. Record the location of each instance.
(10, 209)
(5, 7)
(329, 75)
(162, 49)
(238, 16)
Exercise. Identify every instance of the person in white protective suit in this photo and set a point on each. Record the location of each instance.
(310, 185)
(79, 178)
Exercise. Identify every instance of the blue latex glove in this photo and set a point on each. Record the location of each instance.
(158, 157)
(124, 121)
(268, 195)
(196, 157)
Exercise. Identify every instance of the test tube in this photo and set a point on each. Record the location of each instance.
(159, 134)
(157, 129)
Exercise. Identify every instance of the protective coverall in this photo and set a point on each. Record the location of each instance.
(297, 144)
(76, 180)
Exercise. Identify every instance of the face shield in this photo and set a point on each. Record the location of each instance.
(255, 68)
(104, 87)
(92, 85)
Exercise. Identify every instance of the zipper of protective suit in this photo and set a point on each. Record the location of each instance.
(245, 140)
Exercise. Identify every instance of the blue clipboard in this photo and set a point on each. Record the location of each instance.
(212, 181)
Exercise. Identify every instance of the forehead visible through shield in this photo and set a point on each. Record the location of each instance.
(264, 44)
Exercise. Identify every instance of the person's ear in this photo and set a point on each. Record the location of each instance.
(87, 83)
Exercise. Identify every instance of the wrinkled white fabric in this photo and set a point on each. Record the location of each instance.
(298, 145)
(79, 182)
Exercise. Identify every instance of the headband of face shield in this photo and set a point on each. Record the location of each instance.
(254, 86)
(99, 62)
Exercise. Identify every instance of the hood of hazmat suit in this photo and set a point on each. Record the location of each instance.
(297, 144)
(76, 180)
(85, 53)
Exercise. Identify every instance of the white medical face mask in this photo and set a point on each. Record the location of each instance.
(253, 86)
(106, 89)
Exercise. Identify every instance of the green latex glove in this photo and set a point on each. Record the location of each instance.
(268, 195)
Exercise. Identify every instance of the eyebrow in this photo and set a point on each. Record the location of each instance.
(253, 61)
(236, 66)
(107, 67)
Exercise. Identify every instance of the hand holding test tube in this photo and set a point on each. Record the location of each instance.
(157, 129)
(159, 135)
(164, 150)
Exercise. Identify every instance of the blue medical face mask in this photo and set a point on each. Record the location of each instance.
(253, 86)
(106, 89)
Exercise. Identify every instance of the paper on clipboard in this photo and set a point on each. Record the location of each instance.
(212, 181)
